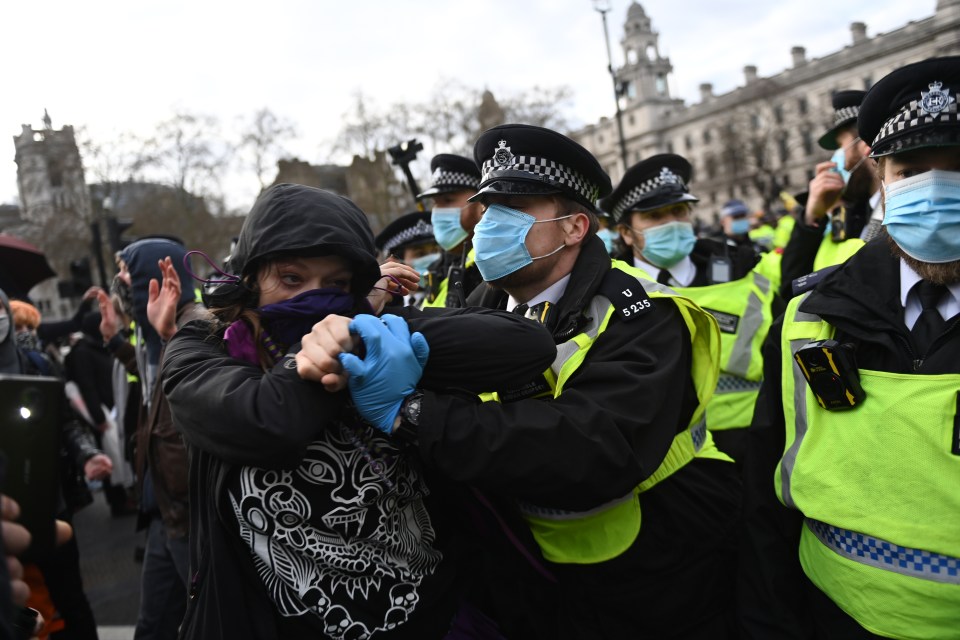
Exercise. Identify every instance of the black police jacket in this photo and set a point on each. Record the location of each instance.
(862, 300)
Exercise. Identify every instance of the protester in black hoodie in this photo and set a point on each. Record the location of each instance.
(308, 522)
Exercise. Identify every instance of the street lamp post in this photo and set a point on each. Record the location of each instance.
(603, 7)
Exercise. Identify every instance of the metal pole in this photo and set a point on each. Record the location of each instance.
(616, 89)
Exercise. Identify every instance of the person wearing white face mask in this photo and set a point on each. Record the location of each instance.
(856, 465)
(731, 281)
(842, 209)
(451, 278)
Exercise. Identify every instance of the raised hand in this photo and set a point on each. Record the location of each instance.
(163, 299)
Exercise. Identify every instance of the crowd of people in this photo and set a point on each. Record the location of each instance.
(550, 407)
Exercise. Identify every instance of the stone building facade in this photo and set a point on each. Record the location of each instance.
(760, 138)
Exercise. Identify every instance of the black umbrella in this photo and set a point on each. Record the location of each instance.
(22, 266)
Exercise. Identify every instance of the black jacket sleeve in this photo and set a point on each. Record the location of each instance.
(771, 589)
(235, 411)
(608, 430)
(479, 349)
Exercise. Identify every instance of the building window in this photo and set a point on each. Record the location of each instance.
(786, 180)
(867, 83)
(599, 139)
(755, 120)
(778, 114)
(731, 192)
(744, 190)
(631, 120)
(713, 197)
(802, 106)
(661, 84)
(810, 174)
(636, 156)
(784, 148)
(706, 136)
(688, 142)
(807, 142)
(631, 56)
(669, 147)
(710, 164)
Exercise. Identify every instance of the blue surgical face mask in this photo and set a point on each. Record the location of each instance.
(446, 227)
(667, 244)
(923, 215)
(500, 241)
(608, 237)
(739, 226)
(839, 158)
(422, 264)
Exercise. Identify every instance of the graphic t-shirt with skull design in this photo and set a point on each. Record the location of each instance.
(344, 539)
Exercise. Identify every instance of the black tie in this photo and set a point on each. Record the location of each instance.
(930, 323)
(663, 277)
(521, 309)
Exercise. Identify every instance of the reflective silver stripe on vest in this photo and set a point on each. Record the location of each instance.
(735, 384)
(597, 311)
(547, 513)
(888, 556)
(698, 433)
(800, 406)
(742, 352)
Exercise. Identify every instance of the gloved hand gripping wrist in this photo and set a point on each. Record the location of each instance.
(388, 372)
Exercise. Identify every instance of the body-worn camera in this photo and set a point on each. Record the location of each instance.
(831, 371)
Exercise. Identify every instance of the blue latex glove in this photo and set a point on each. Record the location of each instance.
(389, 372)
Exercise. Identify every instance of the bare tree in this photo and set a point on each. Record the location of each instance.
(188, 153)
(261, 142)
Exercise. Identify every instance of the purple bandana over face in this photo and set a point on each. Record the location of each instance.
(288, 321)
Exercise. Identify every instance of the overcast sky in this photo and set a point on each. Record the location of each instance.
(117, 65)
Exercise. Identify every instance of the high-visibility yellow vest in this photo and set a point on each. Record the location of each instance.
(763, 236)
(878, 485)
(608, 530)
(440, 300)
(783, 232)
(743, 310)
(831, 253)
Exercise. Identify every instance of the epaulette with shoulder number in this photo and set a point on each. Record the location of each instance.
(626, 294)
(811, 280)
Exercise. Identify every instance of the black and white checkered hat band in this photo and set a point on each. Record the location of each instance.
(421, 230)
(646, 188)
(553, 171)
(843, 114)
(442, 178)
(913, 115)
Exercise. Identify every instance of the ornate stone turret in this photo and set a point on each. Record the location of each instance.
(644, 76)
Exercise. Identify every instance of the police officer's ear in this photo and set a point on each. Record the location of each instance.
(578, 226)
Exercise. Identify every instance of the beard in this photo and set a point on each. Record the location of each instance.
(945, 273)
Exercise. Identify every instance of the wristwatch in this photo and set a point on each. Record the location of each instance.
(409, 416)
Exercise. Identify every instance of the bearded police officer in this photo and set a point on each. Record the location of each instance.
(603, 461)
(653, 206)
(855, 450)
(842, 208)
(453, 216)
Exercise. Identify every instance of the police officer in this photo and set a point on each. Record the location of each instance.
(653, 206)
(453, 216)
(410, 239)
(856, 464)
(603, 460)
(842, 208)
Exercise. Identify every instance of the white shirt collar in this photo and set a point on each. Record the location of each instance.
(909, 278)
(551, 294)
(875, 199)
(683, 272)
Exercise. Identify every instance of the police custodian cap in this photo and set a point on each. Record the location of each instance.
(521, 159)
(913, 107)
(846, 108)
(409, 229)
(656, 182)
(450, 173)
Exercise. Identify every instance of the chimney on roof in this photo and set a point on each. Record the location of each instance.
(706, 92)
(750, 73)
(859, 32)
(799, 55)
